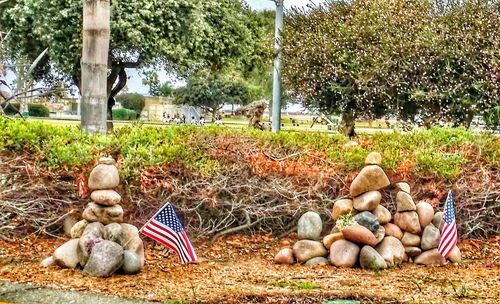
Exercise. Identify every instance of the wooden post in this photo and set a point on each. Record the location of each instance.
(94, 64)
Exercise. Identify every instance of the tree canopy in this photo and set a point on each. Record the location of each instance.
(434, 60)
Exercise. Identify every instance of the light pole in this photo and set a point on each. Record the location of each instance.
(278, 53)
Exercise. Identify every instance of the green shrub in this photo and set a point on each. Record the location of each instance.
(124, 114)
(132, 101)
(34, 109)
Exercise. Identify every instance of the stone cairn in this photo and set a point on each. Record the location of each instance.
(101, 244)
(366, 234)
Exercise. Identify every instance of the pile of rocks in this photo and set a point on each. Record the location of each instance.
(366, 234)
(101, 244)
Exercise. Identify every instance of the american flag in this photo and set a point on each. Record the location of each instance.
(449, 236)
(165, 227)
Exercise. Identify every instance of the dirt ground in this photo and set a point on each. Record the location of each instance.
(240, 269)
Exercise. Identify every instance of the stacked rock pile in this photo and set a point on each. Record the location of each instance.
(101, 244)
(365, 232)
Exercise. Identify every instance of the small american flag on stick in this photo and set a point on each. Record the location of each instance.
(166, 228)
(449, 236)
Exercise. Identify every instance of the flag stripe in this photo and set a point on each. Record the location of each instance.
(159, 239)
(189, 246)
(174, 237)
(449, 235)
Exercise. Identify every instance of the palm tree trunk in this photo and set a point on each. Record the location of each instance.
(96, 32)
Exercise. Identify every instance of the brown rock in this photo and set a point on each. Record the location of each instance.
(410, 240)
(359, 234)
(104, 177)
(413, 251)
(344, 254)
(329, 239)
(425, 214)
(383, 215)
(103, 214)
(430, 257)
(393, 230)
(342, 207)
(305, 250)
(106, 197)
(455, 255)
(430, 237)
(66, 255)
(437, 221)
(374, 158)
(129, 232)
(284, 256)
(404, 202)
(367, 201)
(403, 187)
(370, 178)
(391, 250)
(107, 161)
(408, 221)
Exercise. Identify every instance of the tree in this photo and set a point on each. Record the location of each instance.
(412, 59)
(180, 36)
(211, 91)
(155, 87)
(132, 101)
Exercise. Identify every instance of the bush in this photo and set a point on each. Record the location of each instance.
(132, 101)
(124, 114)
(34, 109)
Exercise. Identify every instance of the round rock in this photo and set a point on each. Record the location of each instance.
(131, 262)
(382, 214)
(393, 230)
(317, 261)
(425, 213)
(78, 228)
(103, 214)
(369, 258)
(371, 178)
(380, 234)
(284, 256)
(328, 240)
(106, 258)
(437, 220)
(106, 197)
(305, 250)
(104, 177)
(374, 158)
(410, 240)
(413, 251)
(367, 201)
(404, 202)
(113, 232)
(91, 235)
(368, 220)
(430, 238)
(107, 161)
(344, 254)
(342, 207)
(359, 234)
(391, 250)
(408, 221)
(430, 257)
(455, 255)
(129, 233)
(309, 226)
(66, 255)
(403, 186)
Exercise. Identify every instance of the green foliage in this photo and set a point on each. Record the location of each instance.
(34, 109)
(345, 221)
(131, 101)
(124, 114)
(155, 87)
(307, 286)
(416, 60)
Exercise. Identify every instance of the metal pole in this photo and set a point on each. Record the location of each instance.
(278, 45)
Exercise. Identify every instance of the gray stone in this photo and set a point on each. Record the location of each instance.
(374, 158)
(359, 234)
(455, 255)
(368, 220)
(106, 197)
(437, 220)
(344, 254)
(342, 207)
(430, 257)
(430, 238)
(404, 202)
(305, 250)
(391, 250)
(382, 214)
(104, 177)
(367, 201)
(317, 261)
(106, 258)
(136, 246)
(425, 213)
(107, 161)
(66, 255)
(129, 233)
(309, 226)
(380, 234)
(47, 262)
(113, 232)
(131, 262)
(393, 230)
(413, 251)
(103, 214)
(78, 228)
(92, 235)
(403, 186)
(410, 240)
(285, 256)
(369, 258)
(408, 221)
(371, 178)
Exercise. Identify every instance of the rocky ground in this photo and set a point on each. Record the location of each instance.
(240, 269)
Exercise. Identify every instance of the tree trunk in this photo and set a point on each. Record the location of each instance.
(96, 32)
(348, 125)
